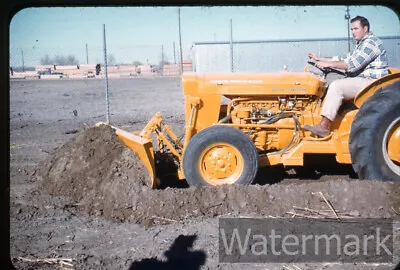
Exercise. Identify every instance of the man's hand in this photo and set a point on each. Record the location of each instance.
(313, 56)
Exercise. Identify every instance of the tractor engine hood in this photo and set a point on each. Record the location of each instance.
(244, 84)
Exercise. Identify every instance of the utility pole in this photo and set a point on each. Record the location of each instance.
(347, 17)
(231, 43)
(106, 75)
(180, 40)
(162, 55)
(173, 47)
(87, 55)
(23, 61)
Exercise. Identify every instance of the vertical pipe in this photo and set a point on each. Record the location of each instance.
(23, 61)
(180, 41)
(87, 55)
(347, 17)
(106, 74)
(173, 46)
(162, 55)
(161, 72)
(231, 45)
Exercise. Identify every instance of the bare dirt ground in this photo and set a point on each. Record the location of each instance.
(79, 199)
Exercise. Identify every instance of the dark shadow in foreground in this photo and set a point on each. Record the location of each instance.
(179, 256)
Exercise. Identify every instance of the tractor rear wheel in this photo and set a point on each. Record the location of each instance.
(375, 136)
(220, 155)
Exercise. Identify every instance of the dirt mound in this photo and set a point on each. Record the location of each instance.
(106, 178)
(96, 170)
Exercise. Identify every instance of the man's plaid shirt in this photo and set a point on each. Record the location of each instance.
(368, 59)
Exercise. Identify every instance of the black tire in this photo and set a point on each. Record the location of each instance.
(205, 160)
(369, 131)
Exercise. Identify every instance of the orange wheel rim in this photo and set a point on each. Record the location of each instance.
(391, 146)
(221, 164)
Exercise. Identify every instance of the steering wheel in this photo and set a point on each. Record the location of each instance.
(328, 70)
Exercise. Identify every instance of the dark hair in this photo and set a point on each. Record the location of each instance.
(363, 21)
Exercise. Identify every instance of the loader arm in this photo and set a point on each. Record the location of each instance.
(141, 143)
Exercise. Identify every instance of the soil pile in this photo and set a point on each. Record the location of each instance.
(106, 178)
(97, 171)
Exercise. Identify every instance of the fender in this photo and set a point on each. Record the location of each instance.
(373, 87)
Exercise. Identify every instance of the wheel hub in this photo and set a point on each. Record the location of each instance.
(391, 146)
(221, 164)
(394, 145)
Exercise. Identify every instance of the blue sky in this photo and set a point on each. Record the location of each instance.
(140, 33)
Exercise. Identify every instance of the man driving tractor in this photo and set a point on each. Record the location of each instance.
(367, 63)
(263, 124)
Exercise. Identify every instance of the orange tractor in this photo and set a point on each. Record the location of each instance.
(238, 122)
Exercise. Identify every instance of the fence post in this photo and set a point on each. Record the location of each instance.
(180, 40)
(231, 45)
(106, 75)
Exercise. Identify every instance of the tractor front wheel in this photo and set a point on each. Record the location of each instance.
(220, 155)
(375, 136)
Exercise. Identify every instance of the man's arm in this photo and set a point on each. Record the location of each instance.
(332, 64)
(320, 58)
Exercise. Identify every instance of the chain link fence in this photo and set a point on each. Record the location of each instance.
(247, 56)
(275, 55)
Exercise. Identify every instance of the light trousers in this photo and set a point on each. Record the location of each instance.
(346, 88)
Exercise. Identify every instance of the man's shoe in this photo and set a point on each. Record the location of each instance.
(323, 129)
(318, 130)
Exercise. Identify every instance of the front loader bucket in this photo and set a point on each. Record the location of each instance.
(143, 148)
